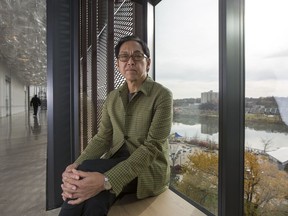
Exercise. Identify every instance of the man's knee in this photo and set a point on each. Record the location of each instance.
(71, 210)
(99, 205)
(87, 166)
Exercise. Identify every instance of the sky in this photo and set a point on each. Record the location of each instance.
(187, 47)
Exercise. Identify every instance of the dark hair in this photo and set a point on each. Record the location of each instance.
(132, 38)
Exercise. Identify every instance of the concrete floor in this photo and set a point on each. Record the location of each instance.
(23, 143)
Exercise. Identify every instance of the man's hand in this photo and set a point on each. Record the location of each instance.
(89, 185)
(82, 186)
(67, 188)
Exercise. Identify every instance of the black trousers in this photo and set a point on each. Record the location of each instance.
(100, 204)
(35, 110)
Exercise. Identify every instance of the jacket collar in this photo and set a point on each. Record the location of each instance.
(145, 88)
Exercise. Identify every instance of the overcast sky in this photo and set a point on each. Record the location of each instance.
(187, 47)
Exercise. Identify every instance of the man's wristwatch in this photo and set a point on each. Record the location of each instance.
(107, 184)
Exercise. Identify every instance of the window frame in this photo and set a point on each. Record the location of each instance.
(231, 107)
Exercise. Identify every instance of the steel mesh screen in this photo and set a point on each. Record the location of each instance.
(101, 59)
(81, 104)
(89, 96)
(90, 115)
(123, 25)
(80, 81)
(83, 23)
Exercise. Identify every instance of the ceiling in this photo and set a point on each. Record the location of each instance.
(23, 39)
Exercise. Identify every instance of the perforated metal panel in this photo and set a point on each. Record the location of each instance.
(101, 58)
(89, 95)
(81, 105)
(95, 81)
(83, 72)
(123, 25)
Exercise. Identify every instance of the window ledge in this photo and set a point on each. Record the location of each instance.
(166, 204)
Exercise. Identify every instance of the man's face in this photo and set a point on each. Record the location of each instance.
(136, 65)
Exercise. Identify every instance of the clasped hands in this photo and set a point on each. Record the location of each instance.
(79, 186)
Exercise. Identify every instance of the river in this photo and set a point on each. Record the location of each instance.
(255, 134)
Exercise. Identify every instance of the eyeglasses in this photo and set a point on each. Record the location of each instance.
(135, 57)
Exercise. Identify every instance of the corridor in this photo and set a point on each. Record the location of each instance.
(23, 146)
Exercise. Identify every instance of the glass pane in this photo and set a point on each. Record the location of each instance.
(266, 139)
(187, 63)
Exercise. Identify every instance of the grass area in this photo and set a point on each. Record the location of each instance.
(263, 118)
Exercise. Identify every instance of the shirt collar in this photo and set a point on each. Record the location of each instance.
(145, 88)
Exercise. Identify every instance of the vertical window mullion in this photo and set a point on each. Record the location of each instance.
(231, 107)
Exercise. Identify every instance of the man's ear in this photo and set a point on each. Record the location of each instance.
(148, 64)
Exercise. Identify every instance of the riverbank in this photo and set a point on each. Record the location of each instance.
(249, 117)
(276, 119)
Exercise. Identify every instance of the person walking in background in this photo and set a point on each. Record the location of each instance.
(35, 102)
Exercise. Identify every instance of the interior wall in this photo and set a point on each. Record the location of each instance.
(18, 96)
(3, 74)
(17, 92)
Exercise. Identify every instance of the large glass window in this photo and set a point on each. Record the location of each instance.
(266, 106)
(187, 63)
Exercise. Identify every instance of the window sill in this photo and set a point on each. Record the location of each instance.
(166, 204)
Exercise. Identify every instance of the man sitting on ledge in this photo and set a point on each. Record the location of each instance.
(130, 152)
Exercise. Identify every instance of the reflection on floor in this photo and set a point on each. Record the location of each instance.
(23, 143)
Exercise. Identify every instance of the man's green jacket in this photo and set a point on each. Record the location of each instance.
(143, 124)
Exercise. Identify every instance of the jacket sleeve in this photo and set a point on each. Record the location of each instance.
(101, 142)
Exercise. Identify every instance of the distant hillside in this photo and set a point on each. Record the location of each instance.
(262, 101)
(186, 101)
(249, 102)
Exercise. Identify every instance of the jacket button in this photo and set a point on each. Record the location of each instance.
(126, 137)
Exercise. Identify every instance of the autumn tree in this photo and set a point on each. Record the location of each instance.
(270, 194)
(200, 178)
(265, 186)
(252, 178)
